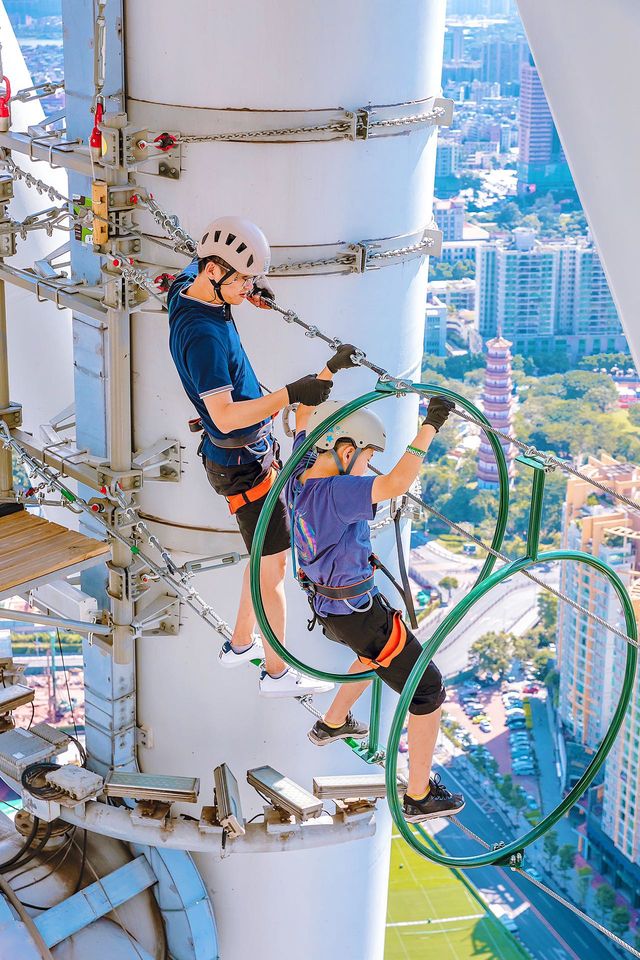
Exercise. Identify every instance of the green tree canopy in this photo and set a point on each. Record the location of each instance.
(605, 898)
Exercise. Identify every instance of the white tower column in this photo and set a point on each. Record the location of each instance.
(181, 65)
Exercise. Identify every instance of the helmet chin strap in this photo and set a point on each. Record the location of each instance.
(219, 295)
(341, 470)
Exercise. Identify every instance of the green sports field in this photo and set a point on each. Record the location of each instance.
(431, 913)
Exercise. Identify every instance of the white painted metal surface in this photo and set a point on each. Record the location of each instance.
(39, 335)
(285, 56)
(594, 104)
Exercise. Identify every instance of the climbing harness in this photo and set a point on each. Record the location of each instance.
(236, 501)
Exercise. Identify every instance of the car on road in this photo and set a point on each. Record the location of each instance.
(532, 803)
(479, 718)
(485, 725)
(515, 712)
(473, 708)
(512, 699)
(531, 689)
(534, 873)
(523, 769)
(515, 723)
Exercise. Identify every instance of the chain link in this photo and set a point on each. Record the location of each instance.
(337, 126)
(184, 243)
(415, 118)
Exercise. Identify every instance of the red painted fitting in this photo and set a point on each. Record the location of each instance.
(5, 110)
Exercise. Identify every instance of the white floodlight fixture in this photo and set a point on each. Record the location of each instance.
(284, 794)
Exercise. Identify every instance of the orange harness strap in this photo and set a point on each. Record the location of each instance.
(394, 645)
(239, 500)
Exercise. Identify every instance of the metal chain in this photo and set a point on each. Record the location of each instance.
(339, 126)
(170, 224)
(400, 251)
(43, 188)
(141, 279)
(335, 126)
(414, 118)
(345, 259)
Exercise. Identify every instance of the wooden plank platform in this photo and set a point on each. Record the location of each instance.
(33, 550)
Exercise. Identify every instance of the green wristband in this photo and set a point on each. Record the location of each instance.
(417, 452)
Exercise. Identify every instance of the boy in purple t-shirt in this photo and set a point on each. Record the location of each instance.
(332, 500)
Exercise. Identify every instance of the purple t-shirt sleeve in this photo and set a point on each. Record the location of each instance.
(351, 498)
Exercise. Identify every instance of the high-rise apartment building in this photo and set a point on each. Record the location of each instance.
(591, 663)
(542, 163)
(449, 215)
(447, 158)
(502, 60)
(546, 296)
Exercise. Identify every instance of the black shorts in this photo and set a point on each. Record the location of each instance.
(366, 634)
(230, 480)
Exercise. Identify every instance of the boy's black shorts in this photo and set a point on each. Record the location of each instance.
(366, 634)
(229, 480)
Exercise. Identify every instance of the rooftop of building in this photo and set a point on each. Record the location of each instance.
(465, 285)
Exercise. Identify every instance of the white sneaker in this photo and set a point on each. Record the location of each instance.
(229, 658)
(291, 684)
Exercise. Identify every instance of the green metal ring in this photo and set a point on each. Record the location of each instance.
(503, 854)
(381, 392)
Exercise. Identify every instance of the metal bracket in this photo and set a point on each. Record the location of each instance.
(362, 124)
(513, 860)
(144, 736)
(141, 147)
(160, 461)
(215, 562)
(159, 615)
(12, 415)
(125, 479)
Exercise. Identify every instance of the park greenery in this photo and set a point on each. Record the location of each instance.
(571, 415)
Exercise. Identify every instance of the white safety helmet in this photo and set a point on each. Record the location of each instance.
(363, 427)
(238, 242)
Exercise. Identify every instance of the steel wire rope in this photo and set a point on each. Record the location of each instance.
(286, 473)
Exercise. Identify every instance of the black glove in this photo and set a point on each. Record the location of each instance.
(341, 360)
(309, 390)
(437, 412)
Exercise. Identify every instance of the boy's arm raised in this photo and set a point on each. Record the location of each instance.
(340, 361)
(400, 478)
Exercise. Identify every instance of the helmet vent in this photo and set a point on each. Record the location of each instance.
(216, 236)
(250, 261)
(204, 239)
(241, 248)
(230, 238)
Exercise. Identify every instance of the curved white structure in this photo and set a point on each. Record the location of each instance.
(594, 106)
(287, 61)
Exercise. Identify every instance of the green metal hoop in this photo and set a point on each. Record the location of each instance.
(503, 854)
(381, 392)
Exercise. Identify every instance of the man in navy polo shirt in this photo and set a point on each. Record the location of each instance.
(238, 447)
